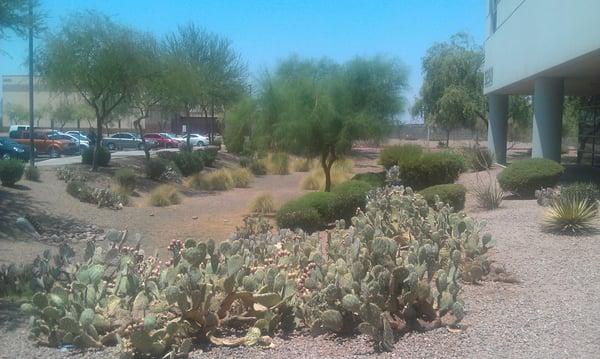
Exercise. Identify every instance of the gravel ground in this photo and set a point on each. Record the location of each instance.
(553, 312)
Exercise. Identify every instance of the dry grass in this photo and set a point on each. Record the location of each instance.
(302, 164)
(164, 195)
(340, 172)
(219, 180)
(241, 177)
(263, 204)
(278, 164)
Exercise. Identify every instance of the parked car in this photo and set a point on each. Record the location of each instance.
(196, 139)
(78, 133)
(11, 149)
(82, 144)
(18, 128)
(161, 140)
(123, 140)
(174, 137)
(47, 142)
(82, 140)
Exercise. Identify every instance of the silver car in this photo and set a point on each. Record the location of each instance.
(123, 140)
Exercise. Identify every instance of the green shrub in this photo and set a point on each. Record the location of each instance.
(188, 162)
(166, 155)
(524, 177)
(11, 171)
(431, 169)
(375, 179)
(478, 158)
(164, 195)
(209, 155)
(81, 191)
(103, 156)
(126, 179)
(155, 167)
(398, 154)
(452, 194)
(311, 212)
(588, 190)
(32, 173)
(347, 197)
(570, 215)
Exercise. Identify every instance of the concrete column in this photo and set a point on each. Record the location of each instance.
(548, 97)
(497, 124)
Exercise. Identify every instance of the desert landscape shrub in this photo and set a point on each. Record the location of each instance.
(263, 204)
(209, 156)
(432, 168)
(451, 194)
(188, 163)
(164, 195)
(241, 177)
(103, 156)
(341, 171)
(570, 214)
(258, 167)
(588, 190)
(126, 179)
(278, 164)
(375, 179)
(478, 158)
(219, 180)
(301, 164)
(524, 177)
(80, 191)
(101, 197)
(32, 173)
(398, 154)
(155, 167)
(11, 171)
(166, 155)
(489, 195)
(310, 212)
(347, 197)
(69, 174)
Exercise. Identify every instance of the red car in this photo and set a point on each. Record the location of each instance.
(161, 141)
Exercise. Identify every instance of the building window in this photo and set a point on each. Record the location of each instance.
(493, 15)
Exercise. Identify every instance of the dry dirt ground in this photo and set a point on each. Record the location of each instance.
(552, 312)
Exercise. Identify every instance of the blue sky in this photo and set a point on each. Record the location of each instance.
(264, 31)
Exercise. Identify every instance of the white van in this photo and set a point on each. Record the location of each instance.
(18, 128)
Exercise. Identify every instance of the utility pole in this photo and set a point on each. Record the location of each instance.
(31, 124)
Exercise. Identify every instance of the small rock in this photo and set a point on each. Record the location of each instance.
(151, 214)
(195, 217)
(54, 238)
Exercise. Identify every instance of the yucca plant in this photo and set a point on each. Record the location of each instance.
(489, 196)
(570, 215)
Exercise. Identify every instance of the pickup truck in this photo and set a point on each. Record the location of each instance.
(47, 142)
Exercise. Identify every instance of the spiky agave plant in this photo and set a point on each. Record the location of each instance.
(570, 215)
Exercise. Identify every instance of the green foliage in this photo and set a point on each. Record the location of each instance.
(126, 178)
(237, 125)
(155, 168)
(347, 198)
(32, 173)
(310, 212)
(570, 214)
(209, 156)
(583, 190)
(524, 177)
(490, 195)
(164, 195)
(478, 158)
(433, 168)
(375, 179)
(11, 171)
(102, 156)
(278, 164)
(99, 196)
(188, 162)
(398, 154)
(452, 194)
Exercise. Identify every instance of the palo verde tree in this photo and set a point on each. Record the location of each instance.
(203, 72)
(14, 17)
(96, 58)
(318, 108)
(451, 96)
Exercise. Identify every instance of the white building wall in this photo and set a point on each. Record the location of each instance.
(533, 36)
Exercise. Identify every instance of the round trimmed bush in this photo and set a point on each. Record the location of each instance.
(188, 162)
(155, 167)
(311, 212)
(11, 171)
(524, 177)
(347, 197)
(103, 156)
(398, 154)
(375, 179)
(452, 194)
(432, 169)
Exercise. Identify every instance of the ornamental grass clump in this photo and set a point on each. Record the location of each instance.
(219, 180)
(571, 215)
(164, 195)
(263, 204)
(241, 177)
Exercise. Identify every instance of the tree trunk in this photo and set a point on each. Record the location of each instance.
(138, 125)
(98, 143)
(447, 138)
(328, 157)
(188, 130)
